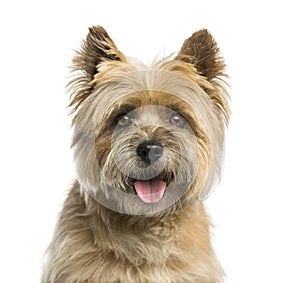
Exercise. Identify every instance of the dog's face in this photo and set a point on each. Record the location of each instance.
(148, 138)
(152, 148)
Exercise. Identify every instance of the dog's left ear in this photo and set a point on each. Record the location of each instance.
(96, 48)
(202, 52)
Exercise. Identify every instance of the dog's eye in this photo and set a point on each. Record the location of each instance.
(124, 120)
(177, 120)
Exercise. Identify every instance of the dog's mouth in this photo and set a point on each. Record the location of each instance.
(152, 190)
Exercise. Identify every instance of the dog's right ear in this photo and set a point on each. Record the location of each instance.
(96, 48)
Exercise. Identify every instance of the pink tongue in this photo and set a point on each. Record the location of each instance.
(150, 191)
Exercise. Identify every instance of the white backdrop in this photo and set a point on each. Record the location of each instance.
(255, 209)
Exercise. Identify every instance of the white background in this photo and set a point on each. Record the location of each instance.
(256, 208)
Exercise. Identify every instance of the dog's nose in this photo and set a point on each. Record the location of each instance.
(149, 151)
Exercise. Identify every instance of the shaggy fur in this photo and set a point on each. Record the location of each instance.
(105, 233)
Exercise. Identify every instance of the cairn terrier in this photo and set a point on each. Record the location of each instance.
(148, 143)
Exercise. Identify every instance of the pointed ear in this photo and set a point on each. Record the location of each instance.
(202, 52)
(96, 48)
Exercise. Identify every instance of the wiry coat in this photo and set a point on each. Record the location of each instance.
(94, 244)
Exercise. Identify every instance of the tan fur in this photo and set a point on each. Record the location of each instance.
(94, 244)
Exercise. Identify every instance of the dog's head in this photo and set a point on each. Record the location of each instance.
(148, 138)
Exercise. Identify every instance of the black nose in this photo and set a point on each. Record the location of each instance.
(149, 152)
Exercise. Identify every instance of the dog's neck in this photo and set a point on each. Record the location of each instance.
(124, 236)
(134, 240)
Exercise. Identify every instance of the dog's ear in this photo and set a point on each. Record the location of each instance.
(96, 48)
(202, 52)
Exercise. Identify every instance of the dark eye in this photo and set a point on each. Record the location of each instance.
(177, 120)
(124, 120)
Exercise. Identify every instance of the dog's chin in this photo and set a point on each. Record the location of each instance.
(152, 190)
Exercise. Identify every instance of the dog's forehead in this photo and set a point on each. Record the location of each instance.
(151, 113)
(162, 100)
(150, 87)
(146, 108)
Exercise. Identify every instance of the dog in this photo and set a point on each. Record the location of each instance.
(148, 148)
